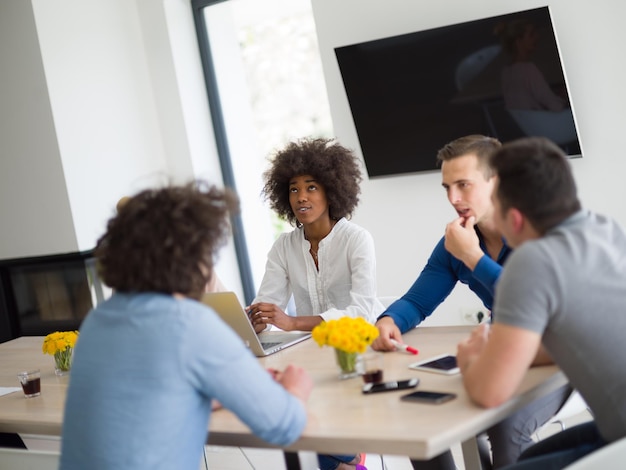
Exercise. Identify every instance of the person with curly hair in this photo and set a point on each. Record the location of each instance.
(327, 263)
(215, 284)
(152, 359)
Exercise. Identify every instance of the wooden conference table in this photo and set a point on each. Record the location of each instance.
(341, 419)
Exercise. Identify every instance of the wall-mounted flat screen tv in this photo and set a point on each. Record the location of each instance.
(500, 76)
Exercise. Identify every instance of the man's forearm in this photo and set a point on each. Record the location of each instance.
(542, 358)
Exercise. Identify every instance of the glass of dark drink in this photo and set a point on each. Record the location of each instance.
(31, 382)
(372, 367)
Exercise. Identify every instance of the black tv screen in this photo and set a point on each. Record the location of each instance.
(500, 76)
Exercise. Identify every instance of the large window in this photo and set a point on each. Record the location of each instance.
(266, 88)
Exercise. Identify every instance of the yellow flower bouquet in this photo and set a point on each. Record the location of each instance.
(60, 344)
(349, 336)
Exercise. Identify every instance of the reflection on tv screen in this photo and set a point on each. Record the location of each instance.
(500, 76)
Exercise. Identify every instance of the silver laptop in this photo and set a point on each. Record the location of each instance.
(227, 306)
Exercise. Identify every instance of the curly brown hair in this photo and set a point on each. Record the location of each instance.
(164, 240)
(334, 167)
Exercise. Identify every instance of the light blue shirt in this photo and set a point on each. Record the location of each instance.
(146, 368)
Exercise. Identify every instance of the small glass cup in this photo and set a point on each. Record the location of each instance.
(31, 382)
(372, 367)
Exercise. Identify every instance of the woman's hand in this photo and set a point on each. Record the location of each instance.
(262, 314)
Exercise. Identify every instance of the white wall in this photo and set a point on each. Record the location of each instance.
(102, 104)
(407, 214)
(35, 215)
(102, 98)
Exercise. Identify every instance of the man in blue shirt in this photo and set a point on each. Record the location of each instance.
(472, 251)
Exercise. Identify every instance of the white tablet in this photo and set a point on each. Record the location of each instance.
(442, 364)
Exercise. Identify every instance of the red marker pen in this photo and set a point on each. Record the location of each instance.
(404, 347)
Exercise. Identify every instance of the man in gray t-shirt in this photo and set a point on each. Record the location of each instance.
(560, 298)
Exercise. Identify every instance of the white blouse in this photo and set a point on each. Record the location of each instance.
(345, 284)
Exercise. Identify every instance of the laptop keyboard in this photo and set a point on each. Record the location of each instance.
(270, 344)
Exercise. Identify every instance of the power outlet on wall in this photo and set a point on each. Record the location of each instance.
(473, 316)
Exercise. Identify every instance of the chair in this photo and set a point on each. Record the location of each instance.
(609, 457)
(22, 459)
(557, 126)
(472, 65)
(574, 405)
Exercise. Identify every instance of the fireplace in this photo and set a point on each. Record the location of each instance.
(40, 295)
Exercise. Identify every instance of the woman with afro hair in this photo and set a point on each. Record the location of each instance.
(327, 263)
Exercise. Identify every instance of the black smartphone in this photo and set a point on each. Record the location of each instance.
(424, 396)
(390, 386)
